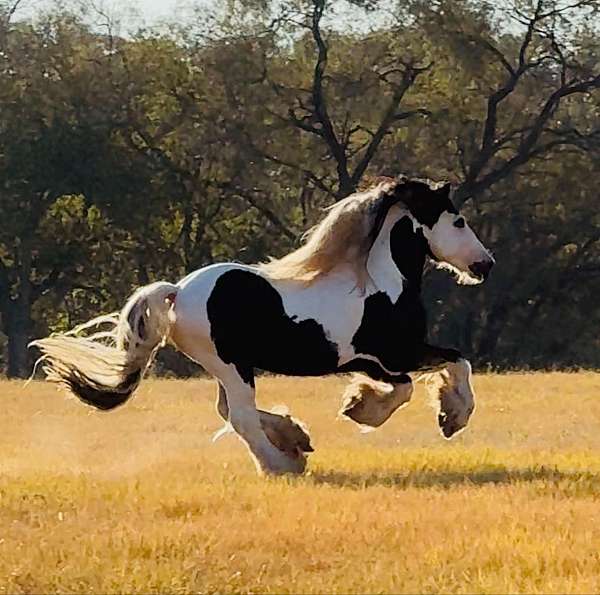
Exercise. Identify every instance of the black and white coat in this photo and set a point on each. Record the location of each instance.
(235, 319)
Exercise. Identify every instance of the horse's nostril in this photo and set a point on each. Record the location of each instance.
(482, 268)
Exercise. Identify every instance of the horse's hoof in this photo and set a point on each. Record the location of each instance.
(454, 399)
(452, 421)
(281, 463)
(286, 434)
(448, 425)
(297, 468)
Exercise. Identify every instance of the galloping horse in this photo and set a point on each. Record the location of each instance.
(347, 300)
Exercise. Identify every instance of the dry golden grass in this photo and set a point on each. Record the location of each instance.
(140, 500)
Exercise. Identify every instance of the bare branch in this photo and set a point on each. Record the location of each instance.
(564, 9)
(317, 181)
(390, 116)
(491, 142)
(269, 214)
(320, 104)
(10, 13)
(304, 123)
(410, 113)
(527, 146)
(490, 47)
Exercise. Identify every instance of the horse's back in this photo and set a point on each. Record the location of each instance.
(248, 319)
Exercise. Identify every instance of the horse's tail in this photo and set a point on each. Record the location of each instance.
(104, 369)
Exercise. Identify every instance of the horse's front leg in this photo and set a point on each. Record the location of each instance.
(450, 388)
(370, 402)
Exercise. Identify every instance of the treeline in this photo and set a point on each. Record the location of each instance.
(129, 159)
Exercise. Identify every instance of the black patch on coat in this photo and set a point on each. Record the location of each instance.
(393, 332)
(409, 251)
(434, 357)
(374, 370)
(250, 329)
(425, 203)
(103, 399)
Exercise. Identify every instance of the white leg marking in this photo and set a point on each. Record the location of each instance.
(245, 420)
(283, 431)
(370, 403)
(453, 396)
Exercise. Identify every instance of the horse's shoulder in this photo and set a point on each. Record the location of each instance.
(389, 327)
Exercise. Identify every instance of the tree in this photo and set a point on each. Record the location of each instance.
(127, 160)
(50, 152)
(543, 64)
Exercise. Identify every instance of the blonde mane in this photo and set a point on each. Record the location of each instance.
(343, 236)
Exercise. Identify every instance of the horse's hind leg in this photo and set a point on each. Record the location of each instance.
(246, 421)
(283, 431)
(221, 404)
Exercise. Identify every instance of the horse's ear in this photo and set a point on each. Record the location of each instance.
(410, 193)
(445, 190)
(425, 201)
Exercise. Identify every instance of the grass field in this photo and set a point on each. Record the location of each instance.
(141, 500)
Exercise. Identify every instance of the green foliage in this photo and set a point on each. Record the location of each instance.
(123, 161)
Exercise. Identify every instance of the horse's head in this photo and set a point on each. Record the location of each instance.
(451, 242)
(396, 218)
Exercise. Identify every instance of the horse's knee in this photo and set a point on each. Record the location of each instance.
(371, 403)
(236, 404)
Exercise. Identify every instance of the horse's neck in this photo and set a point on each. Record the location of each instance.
(382, 270)
(393, 276)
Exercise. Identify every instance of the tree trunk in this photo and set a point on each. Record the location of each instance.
(18, 364)
(18, 324)
(18, 328)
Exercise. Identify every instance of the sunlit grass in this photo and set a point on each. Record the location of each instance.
(141, 500)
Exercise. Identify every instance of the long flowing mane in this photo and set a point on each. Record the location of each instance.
(345, 235)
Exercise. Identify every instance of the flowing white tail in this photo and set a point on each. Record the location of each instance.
(104, 368)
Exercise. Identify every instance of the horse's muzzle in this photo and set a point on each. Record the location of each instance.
(482, 268)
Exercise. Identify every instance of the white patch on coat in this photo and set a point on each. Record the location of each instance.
(455, 248)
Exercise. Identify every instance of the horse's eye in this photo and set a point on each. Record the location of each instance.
(460, 223)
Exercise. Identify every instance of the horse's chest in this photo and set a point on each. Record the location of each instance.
(391, 330)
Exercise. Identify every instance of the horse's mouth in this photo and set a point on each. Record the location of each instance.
(481, 269)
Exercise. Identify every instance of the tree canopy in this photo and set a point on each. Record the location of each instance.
(128, 159)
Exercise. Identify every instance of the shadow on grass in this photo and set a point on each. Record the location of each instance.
(573, 482)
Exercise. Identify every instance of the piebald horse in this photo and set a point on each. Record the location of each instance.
(348, 300)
